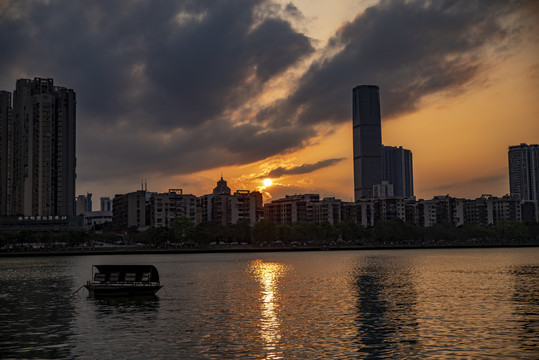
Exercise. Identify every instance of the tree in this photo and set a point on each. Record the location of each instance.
(350, 231)
(510, 230)
(183, 229)
(207, 232)
(264, 232)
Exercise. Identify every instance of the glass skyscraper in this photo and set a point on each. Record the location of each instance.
(367, 134)
(397, 170)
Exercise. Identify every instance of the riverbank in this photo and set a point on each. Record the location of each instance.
(250, 249)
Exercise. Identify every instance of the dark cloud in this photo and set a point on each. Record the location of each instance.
(411, 49)
(301, 169)
(157, 81)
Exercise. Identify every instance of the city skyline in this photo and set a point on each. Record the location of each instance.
(457, 95)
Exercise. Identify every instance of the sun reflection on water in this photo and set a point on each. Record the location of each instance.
(268, 275)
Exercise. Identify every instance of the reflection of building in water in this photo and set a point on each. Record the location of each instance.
(526, 300)
(268, 275)
(387, 320)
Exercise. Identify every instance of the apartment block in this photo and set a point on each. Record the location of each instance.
(129, 211)
(38, 150)
(524, 171)
(165, 207)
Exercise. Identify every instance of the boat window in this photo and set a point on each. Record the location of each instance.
(145, 277)
(114, 277)
(130, 277)
(99, 277)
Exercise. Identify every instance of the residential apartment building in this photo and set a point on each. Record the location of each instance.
(360, 212)
(328, 209)
(5, 154)
(84, 204)
(40, 150)
(292, 209)
(105, 204)
(129, 211)
(165, 207)
(246, 206)
(524, 171)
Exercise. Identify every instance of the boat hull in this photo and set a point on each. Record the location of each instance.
(122, 291)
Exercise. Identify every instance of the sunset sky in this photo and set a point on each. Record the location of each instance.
(180, 92)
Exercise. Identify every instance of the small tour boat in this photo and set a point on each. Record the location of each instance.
(123, 280)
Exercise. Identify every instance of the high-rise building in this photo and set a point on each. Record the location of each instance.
(83, 204)
(5, 121)
(397, 170)
(367, 137)
(106, 204)
(524, 171)
(41, 150)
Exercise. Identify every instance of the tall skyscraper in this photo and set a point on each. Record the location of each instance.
(524, 171)
(5, 120)
(397, 170)
(367, 137)
(41, 170)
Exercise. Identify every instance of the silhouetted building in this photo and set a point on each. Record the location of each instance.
(524, 171)
(106, 204)
(367, 138)
(41, 150)
(5, 121)
(246, 205)
(84, 204)
(166, 207)
(222, 188)
(291, 209)
(93, 218)
(397, 170)
(130, 211)
(384, 189)
(327, 210)
(225, 209)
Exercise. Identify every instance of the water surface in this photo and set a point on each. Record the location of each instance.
(462, 303)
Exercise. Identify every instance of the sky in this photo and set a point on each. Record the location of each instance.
(179, 93)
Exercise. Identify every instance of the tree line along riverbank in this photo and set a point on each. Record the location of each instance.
(267, 235)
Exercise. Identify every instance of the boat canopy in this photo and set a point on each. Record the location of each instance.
(122, 272)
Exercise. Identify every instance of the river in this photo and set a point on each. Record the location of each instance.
(387, 304)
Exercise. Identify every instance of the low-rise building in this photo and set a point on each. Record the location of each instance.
(129, 211)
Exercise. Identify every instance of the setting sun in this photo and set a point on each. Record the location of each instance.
(267, 182)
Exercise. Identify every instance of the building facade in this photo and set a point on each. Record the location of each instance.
(165, 207)
(5, 154)
(130, 211)
(397, 170)
(105, 204)
(41, 150)
(247, 206)
(524, 171)
(367, 139)
(84, 204)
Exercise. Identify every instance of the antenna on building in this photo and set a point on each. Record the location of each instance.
(146, 185)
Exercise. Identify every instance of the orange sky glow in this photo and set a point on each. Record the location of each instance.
(178, 94)
(459, 141)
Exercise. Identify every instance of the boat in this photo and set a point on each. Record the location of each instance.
(123, 281)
